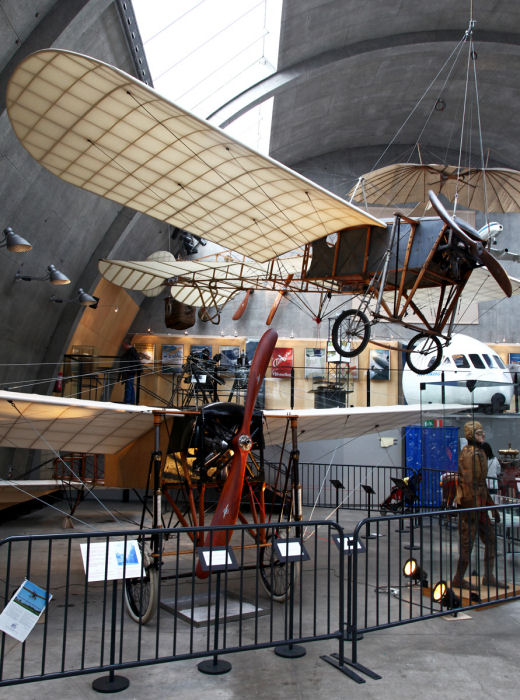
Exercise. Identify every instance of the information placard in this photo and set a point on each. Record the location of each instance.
(24, 610)
(119, 560)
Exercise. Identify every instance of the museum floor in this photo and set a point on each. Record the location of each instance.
(438, 658)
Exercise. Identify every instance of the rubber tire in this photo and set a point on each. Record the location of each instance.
(141, 595)
(498, 403)
(410, 348)
(336, 340)
(275, 575)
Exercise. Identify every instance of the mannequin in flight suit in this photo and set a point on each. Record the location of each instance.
(471, 492)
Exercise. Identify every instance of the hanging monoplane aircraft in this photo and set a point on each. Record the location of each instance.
(98, 128)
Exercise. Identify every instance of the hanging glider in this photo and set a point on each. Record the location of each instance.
(485, 189)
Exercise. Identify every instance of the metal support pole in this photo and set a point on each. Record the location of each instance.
(297, 487)
(215, 666)
(290, 651)
(112, 683)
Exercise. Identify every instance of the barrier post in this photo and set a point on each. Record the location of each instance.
(112, 683)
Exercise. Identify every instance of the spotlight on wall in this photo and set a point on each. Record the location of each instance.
(13, 242)
(82, 298)
(413, 571)
(53, 276)
(444, 595)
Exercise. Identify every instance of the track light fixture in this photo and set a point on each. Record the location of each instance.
(53, 276)
(13, 242)
(82, 298)
(413, 571)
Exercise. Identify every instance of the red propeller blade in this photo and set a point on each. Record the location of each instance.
(279, 297)
(243, 306)
(228, 505)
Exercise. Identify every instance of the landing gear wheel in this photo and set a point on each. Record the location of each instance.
(141, 595)
(423, 353)
(274, 574)
(350, 333)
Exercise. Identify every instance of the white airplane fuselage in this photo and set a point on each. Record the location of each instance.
(463, 360)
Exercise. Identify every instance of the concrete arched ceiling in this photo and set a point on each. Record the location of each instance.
(364, 66)
(350, 74)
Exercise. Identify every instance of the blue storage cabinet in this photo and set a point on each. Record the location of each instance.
(435, 450)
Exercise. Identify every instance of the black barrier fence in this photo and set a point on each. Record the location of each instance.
(356, 487)
(271, 588)
(332, 485)
(405, 568)
(154, 596)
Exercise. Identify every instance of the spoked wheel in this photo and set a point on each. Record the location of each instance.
(141, 594)
(350, 333)
(274, 574)
(423, 353)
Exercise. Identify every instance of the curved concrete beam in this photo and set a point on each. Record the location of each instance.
(264, 89)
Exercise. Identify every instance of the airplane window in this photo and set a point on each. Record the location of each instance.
(476, 360)
(499, 361)
(460, 361)
(489, 361)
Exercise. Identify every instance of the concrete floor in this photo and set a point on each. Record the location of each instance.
(443, 657)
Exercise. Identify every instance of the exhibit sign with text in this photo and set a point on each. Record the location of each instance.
(24, 610)
(118, 560)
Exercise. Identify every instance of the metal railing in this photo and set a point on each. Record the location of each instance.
(364, 485)
(318, 484)
(265, 602)
(382, 596)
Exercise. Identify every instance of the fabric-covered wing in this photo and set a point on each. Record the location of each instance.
(34, 421)
(485, 189)
(100, 129)
(199, 282)
(198, 296)
(481, 286)
(338, 423)
(70, 425)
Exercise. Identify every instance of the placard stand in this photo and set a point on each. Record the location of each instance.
(337, 485)
(290, 551)
(112, 683)
(346, 545)
(369, 492)
(348, 549)
(216, 560)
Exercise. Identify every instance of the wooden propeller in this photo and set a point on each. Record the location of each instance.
(228, 505)
(276, 302)
(243, 306)
(476, 246)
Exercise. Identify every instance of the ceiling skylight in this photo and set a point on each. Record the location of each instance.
(202, 53)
